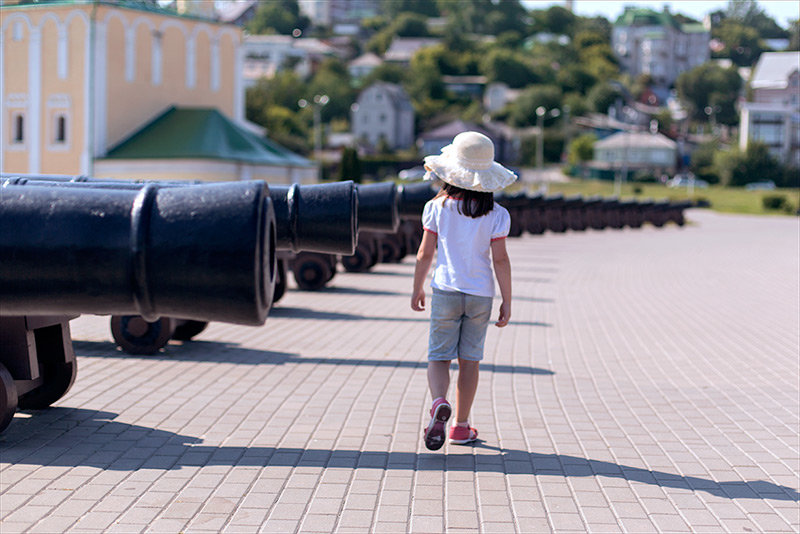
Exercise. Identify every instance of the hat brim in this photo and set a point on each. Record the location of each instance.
(489, 180)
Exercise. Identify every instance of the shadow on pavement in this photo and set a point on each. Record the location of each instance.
(289, 312)
(67, 437)
(214, 351)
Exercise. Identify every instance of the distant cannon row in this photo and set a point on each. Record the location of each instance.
(557, 213)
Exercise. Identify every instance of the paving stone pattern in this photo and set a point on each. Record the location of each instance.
(647, 383)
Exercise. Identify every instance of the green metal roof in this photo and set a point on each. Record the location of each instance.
(191, 133)
(138, 5)
(634, 16)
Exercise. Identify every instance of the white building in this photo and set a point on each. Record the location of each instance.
(649, 42)
(264, 55)
(334, 12)
(383, 111)
(773, 117)
(635, 151)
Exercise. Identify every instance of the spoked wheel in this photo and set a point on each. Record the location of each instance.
(358, 262)
(137, 336)
(311, 271)
(390, 246)
(8, 398)
(187, 329)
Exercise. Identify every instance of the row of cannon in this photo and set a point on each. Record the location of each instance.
(162, 259)
(165, 258)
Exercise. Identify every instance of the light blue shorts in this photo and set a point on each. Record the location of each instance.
(458, 325)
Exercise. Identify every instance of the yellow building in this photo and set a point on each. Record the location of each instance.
(79, 78)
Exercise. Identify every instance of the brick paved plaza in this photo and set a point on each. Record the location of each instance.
(649, 381)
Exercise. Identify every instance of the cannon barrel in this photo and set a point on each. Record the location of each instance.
(316, 218)
(412, 199)
(309, 218)
(378, 207)
(205, 252)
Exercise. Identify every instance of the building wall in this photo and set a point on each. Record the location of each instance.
(203, 170)
(80, 92)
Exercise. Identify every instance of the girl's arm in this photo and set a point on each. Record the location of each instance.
(502, 270)
(424, 259)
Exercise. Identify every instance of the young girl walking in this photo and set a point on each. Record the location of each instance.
(465, 224)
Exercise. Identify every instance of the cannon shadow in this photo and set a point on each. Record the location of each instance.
(77, 437)
(219, 352)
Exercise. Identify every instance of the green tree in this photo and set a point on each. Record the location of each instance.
(333, 78)
(350, 165)
(277, 16)
(737, 168)
(710, 86)
(701, 162)
(581, 149)
(522, 112)
(507, 66)
(750, 14)
(602, 96)
(392, 8)
(743, 44)
(794, 35)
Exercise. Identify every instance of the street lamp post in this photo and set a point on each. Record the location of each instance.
(541, 113)
(319, 101)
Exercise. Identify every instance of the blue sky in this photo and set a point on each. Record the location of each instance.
(782, 11)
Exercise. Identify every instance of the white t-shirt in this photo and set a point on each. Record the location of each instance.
(463, 261)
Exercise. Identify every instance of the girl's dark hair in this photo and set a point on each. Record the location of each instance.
(474, 203)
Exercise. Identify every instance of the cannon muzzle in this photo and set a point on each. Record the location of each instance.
(316, 218)
(378, 207)
(413, 198)
(205, 252)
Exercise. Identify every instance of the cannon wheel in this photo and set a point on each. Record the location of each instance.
(311, 271)
(280, 282)
(58, 378)
(358, 262)
(188, 329)
(137, 336)
(8, 398)
(390, 246)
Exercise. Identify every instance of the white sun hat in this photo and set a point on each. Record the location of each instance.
(468, 163)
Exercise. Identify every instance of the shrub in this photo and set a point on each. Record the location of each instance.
(774, 202)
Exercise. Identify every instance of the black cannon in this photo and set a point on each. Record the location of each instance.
(204, 253)
(574, 213)
(517, 205)
(593, 212)
(314, 223)
(553, 213)
(535, 222)
(378, 221)
(612, 213)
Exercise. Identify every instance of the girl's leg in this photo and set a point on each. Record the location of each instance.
(466, 387)
(438, 378)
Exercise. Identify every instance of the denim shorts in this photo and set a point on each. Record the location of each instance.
(458, 325)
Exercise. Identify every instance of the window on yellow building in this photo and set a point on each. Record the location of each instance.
(18, 125)
(60, 130)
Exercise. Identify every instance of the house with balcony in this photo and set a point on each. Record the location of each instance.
(655, 43)
(773, 116)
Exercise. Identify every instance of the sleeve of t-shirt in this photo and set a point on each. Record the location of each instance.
(429, 218)
(502, 223)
